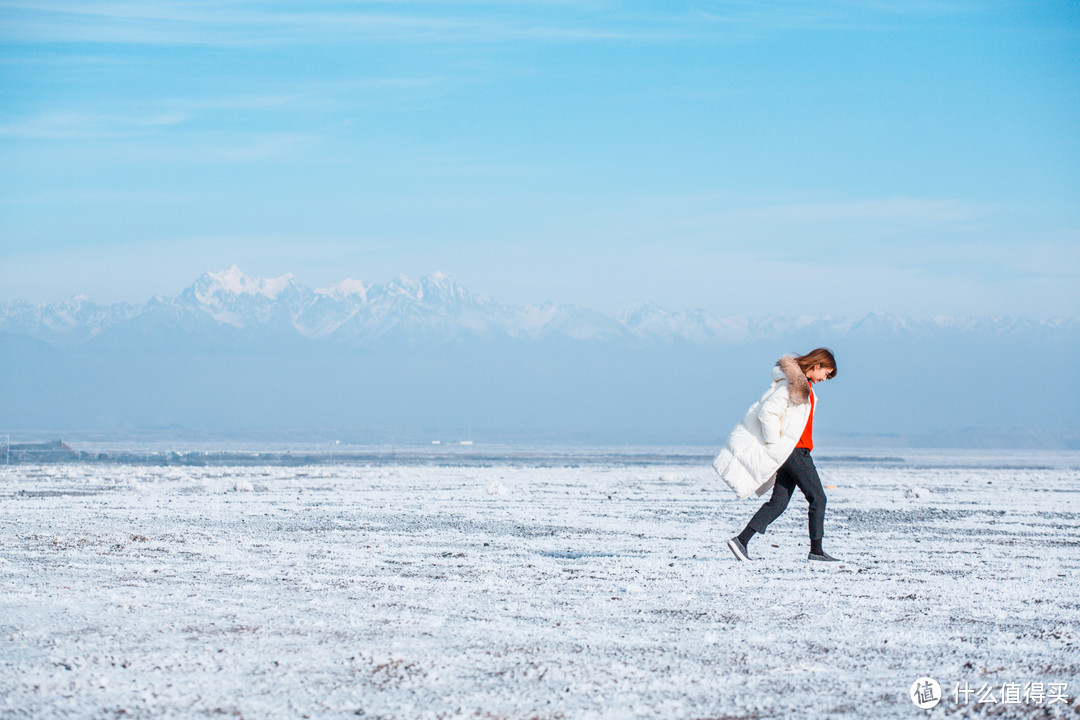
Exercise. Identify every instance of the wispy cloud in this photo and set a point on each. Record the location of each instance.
(64, 125)
(119, 22)
(234, 102)
(245, 23)
(230, 23)
(703, 220)
(137, 134)
(149, 116)
(231, 148)
(98, 197)
(929, 211)
(826, 15)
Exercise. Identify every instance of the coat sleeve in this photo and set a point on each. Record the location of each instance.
(771, 413)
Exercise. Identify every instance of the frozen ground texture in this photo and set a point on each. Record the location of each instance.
(532, 592)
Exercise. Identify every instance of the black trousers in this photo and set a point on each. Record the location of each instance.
(798, 471)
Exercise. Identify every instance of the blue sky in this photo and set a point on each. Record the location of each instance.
(815, 158)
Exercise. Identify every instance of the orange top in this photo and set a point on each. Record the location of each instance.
(807, 439)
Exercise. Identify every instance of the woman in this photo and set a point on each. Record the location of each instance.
(771, 448)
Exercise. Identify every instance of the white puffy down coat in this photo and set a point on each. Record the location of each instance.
(768, 433)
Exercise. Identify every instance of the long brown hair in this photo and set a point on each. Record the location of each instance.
(820, 356)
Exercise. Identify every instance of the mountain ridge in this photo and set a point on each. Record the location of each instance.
(232, 352)
(436, 309)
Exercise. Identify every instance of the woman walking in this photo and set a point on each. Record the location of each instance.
(771, 447)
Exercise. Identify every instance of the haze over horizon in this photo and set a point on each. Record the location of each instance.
(233, 354)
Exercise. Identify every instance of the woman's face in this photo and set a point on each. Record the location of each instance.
(818, 373)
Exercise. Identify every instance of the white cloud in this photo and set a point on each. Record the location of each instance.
(239, 23)
(62, 125)
(921, 210)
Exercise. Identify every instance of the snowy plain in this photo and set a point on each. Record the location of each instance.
(536, 590)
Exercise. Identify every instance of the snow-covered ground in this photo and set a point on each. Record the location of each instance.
(517, 591)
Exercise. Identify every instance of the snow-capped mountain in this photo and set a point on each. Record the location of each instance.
(65, 323)
(232, 298)
(230, 307)
(233, 352)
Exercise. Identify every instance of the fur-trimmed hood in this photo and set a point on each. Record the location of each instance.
(798, 386)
